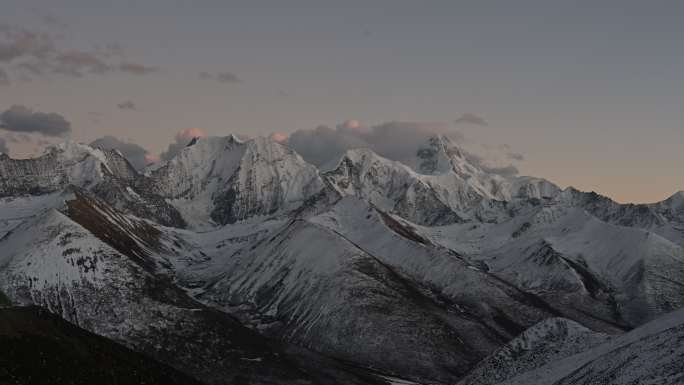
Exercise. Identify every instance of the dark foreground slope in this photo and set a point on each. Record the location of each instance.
(40, 348)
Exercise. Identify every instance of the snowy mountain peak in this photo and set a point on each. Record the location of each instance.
(75, 150)
(448, 145)
(434, 156)
(224, 179)
(219, 157)
(206, 158)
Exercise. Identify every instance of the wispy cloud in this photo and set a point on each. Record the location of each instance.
(472, 119)
(33, 52)
(221, 77)
(95, 117)
(77, 63)
(127, 105)
(19, 43)
(481, 162)
(393, 140)
(136, 68)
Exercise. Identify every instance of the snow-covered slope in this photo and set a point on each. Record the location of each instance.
(650, 354)
(665, 218)
(353, 283)
(439, 186)
(95, 268)
(308, 286)
(15, 210)
(620, 276)
(548, 341)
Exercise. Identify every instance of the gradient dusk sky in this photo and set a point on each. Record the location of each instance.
(591, 93)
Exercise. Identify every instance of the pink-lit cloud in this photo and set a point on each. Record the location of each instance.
(181, 140)
(351, 124)
(190, 133)
(279, 137)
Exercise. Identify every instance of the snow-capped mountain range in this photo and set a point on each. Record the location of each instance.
(239, 261)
